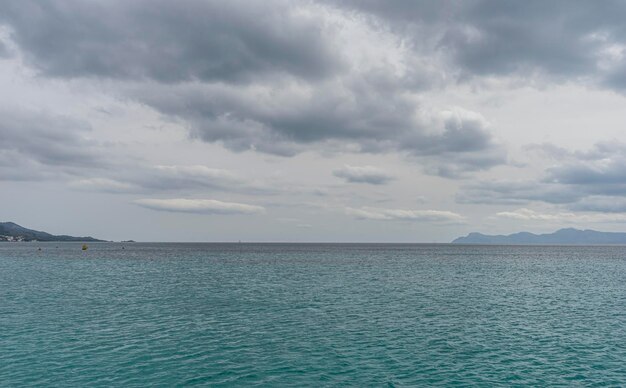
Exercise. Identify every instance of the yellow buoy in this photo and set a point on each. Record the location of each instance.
(85, 247)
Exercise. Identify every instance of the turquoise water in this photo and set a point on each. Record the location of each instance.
(311, 315)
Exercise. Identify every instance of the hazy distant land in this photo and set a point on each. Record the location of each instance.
(569, 236)
(10, 231)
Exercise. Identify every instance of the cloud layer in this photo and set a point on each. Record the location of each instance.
(555, 41)
(149, 179)
(174, 102)
(169, 42)
(200, 206)
(281, 82)
(581, 180)
(435, 216)
(36, 145)
(524, 214)
(363, 174)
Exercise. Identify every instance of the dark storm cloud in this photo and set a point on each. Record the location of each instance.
(169, 41)
(271, 77)
(33, 144)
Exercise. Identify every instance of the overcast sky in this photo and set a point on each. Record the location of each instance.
(382, 121)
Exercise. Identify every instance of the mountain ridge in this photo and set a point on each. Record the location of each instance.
(10, 231)
(566, 236)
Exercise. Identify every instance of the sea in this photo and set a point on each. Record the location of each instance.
(321, 315)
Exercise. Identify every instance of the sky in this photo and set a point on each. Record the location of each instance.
(312, 121)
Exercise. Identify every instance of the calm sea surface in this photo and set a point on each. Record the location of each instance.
(311, 315)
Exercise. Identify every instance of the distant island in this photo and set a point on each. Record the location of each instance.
(12, 232)
(569, 236)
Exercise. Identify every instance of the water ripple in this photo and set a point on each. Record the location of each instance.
(314, 315)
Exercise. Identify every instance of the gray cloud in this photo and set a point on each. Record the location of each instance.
(172, 178)
(582, 196)
(200, 206)
(603, 204)
(36, 145)
(598, 151)
(561, 39)
(528, 215)
(363, 174)
(598, 171)
(609, 173)
(507, 192)
(583, 180)
(169, 41)
(381, 214)
(285, 121)
(319, 78)
(104, 185)
(4, 50)
(283, 82)
(279, 82)
(502, 37)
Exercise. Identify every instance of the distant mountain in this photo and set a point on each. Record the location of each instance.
(569, 236)
(10, 231)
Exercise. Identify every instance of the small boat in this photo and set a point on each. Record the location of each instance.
(84, 248)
